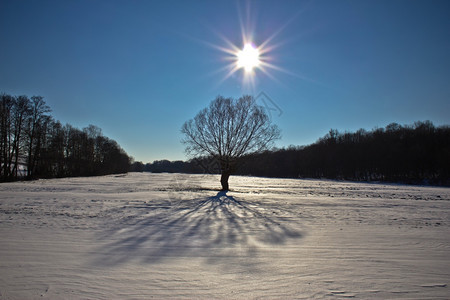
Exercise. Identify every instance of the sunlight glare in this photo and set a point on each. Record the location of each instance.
(248, 58)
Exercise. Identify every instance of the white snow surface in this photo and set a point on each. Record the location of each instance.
(143, 236)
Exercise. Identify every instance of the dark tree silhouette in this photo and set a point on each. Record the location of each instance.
(6, 127)
(227, 130)
(34, 145)
(36, 130)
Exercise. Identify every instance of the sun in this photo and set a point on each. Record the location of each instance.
(255, 57)
(248, 58)
(255, 60)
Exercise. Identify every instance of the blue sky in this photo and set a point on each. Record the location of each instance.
(140, 69)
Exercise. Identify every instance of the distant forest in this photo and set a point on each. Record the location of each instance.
(415, 154)
(34, 145)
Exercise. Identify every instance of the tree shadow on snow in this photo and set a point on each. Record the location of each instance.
(218, 229)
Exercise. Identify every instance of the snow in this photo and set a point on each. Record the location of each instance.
(142, 235)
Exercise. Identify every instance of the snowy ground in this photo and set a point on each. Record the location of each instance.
(140, 236)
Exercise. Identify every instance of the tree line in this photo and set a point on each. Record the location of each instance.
(416, 154)
(34, 145)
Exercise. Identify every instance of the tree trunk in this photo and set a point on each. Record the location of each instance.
(224, 180)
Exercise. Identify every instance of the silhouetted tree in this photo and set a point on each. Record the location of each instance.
(137, 166)
(227, 130)
(21, 113)
(6, 113)
(34, 145)
(35, 131)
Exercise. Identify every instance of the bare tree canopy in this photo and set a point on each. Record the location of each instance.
(228, 129)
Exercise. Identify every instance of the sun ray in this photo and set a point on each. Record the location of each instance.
(231, 70)
(245, 61)
(280, 29)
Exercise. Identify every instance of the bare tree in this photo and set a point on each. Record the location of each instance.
(36, 124)
(21, 111)
(227, 130)
(7, 104)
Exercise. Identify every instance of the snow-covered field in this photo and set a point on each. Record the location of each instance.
(141, 236)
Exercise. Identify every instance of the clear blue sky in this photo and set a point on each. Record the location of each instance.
(140, 69)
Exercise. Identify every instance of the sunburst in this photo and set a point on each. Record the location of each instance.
(249, 59)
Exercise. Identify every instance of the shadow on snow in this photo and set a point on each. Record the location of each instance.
(217, 228)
